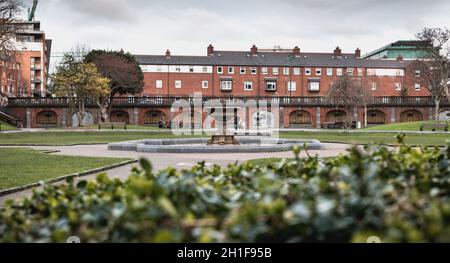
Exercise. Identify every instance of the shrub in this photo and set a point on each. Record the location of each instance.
(400, 195)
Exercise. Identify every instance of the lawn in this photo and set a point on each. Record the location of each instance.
(370, 138)
(20, 166)
(402, 126)
(73, 137)
(6, 127)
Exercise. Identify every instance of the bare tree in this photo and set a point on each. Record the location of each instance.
(348, 93)
(433, 71)
(9, 10)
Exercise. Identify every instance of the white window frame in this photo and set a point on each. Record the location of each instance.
(226, 85)
(350, 71)
(286, 71)
(318, 71)
(310, 86)
(360, 72)
(296, 71)
(274, 83)
(205, 86)
(178, 84)
(248, 84)
(159, 84)
(275, 71)
(219, 70)
(308, 71)
(339, 72)
(398, 86)
(417, 86)
(242, 70)
(417, 73)
(329, 71)
(230, 70)
(264, 70)
(254, 71)
(292, 86)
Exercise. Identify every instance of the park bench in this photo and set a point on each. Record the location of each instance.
(434, 126)
(112, 125)
(334, 125)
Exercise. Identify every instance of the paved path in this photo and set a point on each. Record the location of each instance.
(163, 160)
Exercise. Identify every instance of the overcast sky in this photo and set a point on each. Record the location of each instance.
(187, 26)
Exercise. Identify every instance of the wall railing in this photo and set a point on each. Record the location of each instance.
(168, 101)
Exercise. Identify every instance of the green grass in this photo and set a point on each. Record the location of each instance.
(7, 127)
(20, 166)
(402, 126)
(370, 138)
(72, 137)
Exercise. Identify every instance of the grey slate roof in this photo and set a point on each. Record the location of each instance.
(279, 59)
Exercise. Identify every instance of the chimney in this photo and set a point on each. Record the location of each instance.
(296, 51)
(254, 50)
(338, 52)
(358, 53)
(400, 58)
(210, 50)
(167, 53)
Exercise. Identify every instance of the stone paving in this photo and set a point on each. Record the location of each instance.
(163, 160)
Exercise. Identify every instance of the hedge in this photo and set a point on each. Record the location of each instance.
(399, 195)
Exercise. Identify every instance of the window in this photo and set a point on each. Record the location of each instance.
(339, 71)
(230, 70)
(275, 71)
(417, 73)
(318, 71)
(191, 69)
(226, 85)
(242, 70)
(350, 71)
(329, 71)
(296, 71)
(307, 71)
(398, 86)
(271, 85)
(178, 84)
(248, 85)
(285, 71)
(219, 70)
(360, 72)
(417, 86)
(292, 86)
(204, 84)
(264, 70)
(314, 86)
(159, 84)
(254, 71)
(373, 86)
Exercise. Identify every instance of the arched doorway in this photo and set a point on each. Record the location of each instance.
(153, 117)
(376, 117)
(119, 116)
(444, 115)
(47, 118)
(336, 116)
(411, 116)
(300, 118)
(87, 120)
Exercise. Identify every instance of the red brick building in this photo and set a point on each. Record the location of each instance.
(297, 80)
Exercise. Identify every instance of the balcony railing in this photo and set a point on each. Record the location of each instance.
(168, 101)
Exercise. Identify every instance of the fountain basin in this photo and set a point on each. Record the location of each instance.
(199, 145)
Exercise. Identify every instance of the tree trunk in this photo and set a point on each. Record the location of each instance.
(436, 112)
(365, 116)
